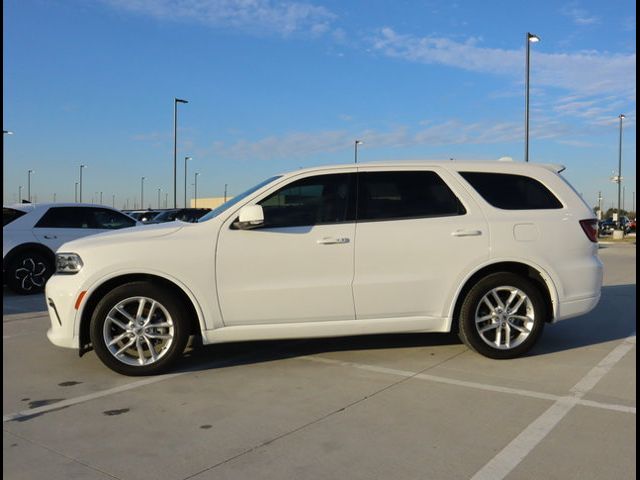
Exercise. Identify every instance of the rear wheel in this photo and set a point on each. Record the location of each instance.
(139, 329)
(28, 272)
(502, 316)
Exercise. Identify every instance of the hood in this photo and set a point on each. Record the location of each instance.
(140, 233)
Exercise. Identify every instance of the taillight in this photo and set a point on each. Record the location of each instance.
(590, 227)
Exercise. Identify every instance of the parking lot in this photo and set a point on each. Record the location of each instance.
(385, 407)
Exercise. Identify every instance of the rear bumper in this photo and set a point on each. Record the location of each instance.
(576, 308)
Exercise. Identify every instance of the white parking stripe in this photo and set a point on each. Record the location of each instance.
(476, 385)
(509, 458)
(86, 398)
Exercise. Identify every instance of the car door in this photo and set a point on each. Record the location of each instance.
(297, 267)
(416, 237)
(62, 224)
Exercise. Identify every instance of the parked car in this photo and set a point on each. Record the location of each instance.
(606, 227)
(31, 234)
(142, 215)
(182, 214)
(632, 225)
(493, 250)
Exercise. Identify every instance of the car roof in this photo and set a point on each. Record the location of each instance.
(28, 207)
(505, 164)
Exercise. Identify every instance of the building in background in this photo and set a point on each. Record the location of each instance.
(211, 202)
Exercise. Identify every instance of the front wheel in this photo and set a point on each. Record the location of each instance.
(139, 329)
(502, 316)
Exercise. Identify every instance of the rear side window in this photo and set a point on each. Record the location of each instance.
(10, 214)
(82, 217)
(512, 192)
(397, 195)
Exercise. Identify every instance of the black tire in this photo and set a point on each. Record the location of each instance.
(502, 324)
(169, 309)
(28, 272)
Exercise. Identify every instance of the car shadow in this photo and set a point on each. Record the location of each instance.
(613, 319)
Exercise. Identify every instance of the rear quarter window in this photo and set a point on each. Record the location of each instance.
(10, 214)
(512, 192)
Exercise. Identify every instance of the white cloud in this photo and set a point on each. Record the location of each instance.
(579, 16)
(586, 72)
(282, 17)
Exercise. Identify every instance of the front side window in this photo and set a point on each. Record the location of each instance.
(104, 218)
(403, 194)
(321, 199)
(512, 192)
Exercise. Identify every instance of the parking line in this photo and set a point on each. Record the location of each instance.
(85, 398)
(511, 456)
(476, 385)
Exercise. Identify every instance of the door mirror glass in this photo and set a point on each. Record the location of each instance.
(251, 216)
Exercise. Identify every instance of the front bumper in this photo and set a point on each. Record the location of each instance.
(61, 293)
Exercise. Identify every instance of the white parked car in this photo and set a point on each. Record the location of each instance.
(31, 233)
(493, 250)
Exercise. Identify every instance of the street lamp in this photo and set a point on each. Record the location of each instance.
(4, 132)
(159, 190)
(19, 193)
(356, 143)
(81, 167)
(166, 199)
(531, 38)
(142, 193)
(29, 172)
(185, 181)
(621, 116)
(176, 101)
(195, 190)
(113, 201)
(225, 193)
(100, 198)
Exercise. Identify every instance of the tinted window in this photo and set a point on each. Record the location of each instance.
(108, 219)
(394, 195)
(10, 214)
(191, 215)
(310, 201)
(83, 217)
(512, 192)
(64, 217)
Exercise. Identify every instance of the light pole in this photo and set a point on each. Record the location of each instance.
(159, 190)
(100, 198)
(225, 193)
(599, 205)
(531, 38)
(195, 190)
(29, 172)
(176, 101)
(113, 201)
(166, 199)
(621, 116)
(81, 167)
(4, 132)
(19, 193)
(185, 180)
(356, 143)
(54, 197)
(142, 193)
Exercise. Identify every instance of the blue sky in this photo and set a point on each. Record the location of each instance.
(277, 85)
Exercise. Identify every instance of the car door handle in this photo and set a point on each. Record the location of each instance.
(466, 233)
(332, 240)
(50, 236)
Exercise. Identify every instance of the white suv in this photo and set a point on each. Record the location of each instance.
(493, 250)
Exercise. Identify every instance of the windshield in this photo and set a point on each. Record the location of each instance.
(167, 216)
(232, 201)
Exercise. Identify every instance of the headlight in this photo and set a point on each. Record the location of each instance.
(68, 263)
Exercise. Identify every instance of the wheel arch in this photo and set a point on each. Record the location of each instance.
(540, 278)
(98, 293)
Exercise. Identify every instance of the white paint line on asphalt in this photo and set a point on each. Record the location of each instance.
(85, 398)
(511, 456)
(463, 383)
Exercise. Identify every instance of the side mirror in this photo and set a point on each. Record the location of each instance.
(250, 216)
